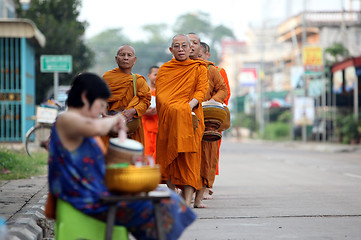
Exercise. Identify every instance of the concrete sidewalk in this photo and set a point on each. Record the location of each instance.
(22, 201)
(22, 205)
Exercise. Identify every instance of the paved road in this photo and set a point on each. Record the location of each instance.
(266, 191)
(277, 191)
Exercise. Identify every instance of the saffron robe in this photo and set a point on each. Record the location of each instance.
(218, 91)
(150, 124)
(178, 146)
(123, 97)
(225, 78)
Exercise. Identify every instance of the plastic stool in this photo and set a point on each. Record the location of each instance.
(71, 224)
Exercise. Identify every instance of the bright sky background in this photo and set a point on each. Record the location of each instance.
(235, 14)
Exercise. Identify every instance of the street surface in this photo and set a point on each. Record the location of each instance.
(271, 191)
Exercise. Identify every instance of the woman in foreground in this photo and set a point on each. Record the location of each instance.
(77, 166)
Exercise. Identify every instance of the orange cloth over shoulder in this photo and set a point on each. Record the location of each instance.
(150, 124)
(217, 87)
(123, 98)
(178, 146)
(225, 78)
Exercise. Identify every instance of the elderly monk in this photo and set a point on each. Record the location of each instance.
(217, 91)
(181, 86)
(131, 100)
(150, 117)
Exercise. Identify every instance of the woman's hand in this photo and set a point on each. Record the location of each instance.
(119, 123)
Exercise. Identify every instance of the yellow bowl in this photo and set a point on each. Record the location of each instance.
(133, 179)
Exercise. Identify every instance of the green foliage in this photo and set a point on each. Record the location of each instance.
(154, 49)
(57, 20)
(349, 128)
(197, 22)
(156, 32)
(285, 116)
(105, 45)
(246, 121)
(17, 165)
(277, 131)
(337, 51)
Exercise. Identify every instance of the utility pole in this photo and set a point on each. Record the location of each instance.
(304, 38)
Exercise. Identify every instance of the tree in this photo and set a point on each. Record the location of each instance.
(105, 45)
(337, 51)
(57, 20)
(200, 24)
(156, 32)
(197, 22)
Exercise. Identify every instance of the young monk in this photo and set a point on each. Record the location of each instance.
(77, 167)
(181, 86)
(131, 100)
(150, 117)
(217, 91)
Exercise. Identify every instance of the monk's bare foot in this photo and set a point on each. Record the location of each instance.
(207, 196)
(200, 205)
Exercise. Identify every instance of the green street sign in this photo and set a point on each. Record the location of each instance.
(56, 63)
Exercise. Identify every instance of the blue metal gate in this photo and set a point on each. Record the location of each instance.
(17, 88)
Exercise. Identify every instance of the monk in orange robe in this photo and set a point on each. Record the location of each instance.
(132, 104)
(217, 91)
(225, 78)
(181, 86)
(205, 53)
(150, 118)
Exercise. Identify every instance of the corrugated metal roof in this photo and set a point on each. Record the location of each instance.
(19, 28)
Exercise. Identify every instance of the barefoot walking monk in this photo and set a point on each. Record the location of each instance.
(217, 91)
(181, 86)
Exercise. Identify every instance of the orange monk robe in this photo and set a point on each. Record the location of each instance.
(218, 91)
(150, 124)
(225, 78)
(178, 146)
(121, 86)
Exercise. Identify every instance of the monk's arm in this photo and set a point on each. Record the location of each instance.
(202, 84)
(144, 94)
(220, 87)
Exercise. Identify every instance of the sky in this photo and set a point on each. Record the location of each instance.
(234, 14)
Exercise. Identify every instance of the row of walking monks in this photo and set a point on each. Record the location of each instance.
(177, 88)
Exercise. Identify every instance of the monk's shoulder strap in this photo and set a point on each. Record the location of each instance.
(134, 84)
(219, 69)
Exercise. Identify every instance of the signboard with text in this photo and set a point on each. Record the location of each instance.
(312, 59)
(56, 63)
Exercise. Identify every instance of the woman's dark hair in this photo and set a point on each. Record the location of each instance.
(90, 83)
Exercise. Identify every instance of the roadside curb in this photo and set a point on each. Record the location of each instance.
(29, 222)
